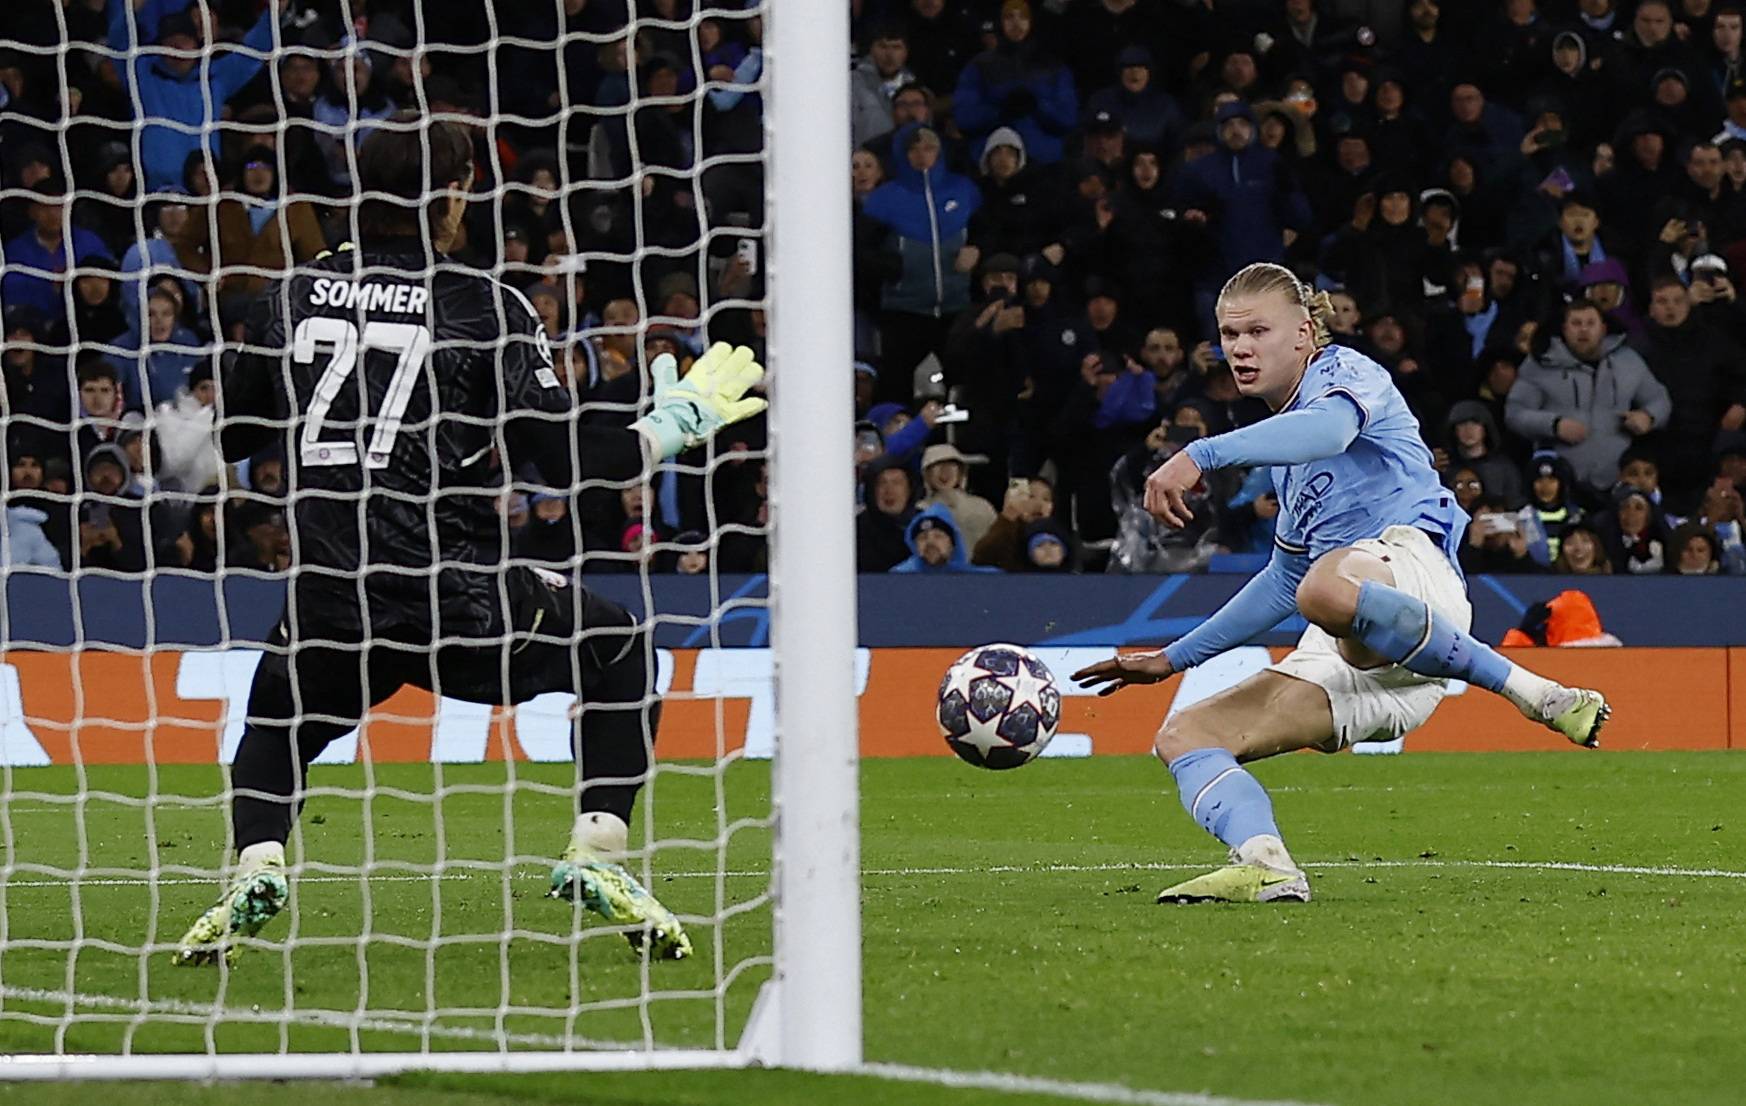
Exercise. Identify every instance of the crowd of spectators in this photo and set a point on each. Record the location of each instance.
(1531, 213)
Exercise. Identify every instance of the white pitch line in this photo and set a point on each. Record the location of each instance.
(1002, 1082)
(995, 869)
(327, 1019)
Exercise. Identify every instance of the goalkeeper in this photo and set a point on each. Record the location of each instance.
(402, 388)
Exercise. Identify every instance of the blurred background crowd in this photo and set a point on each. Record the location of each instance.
(1531, 213)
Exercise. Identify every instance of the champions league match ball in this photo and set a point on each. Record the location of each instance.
(998, 706)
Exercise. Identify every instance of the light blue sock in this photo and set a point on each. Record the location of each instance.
(1222, 796)
(1409, 633)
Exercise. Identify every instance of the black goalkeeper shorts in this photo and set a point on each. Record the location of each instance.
(550, 635)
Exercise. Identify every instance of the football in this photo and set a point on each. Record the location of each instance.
(998, 706)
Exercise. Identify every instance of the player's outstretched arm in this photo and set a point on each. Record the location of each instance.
(712, 396)
(1325, 428)
(1269, 596)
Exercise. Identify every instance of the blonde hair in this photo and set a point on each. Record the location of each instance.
(1265, 277)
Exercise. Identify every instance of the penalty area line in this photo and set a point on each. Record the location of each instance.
(1004, 1083)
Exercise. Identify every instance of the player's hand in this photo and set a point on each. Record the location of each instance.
(689, 412)
(1166, 489)
(1110, 676)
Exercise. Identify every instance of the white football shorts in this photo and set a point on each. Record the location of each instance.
(1381, 704)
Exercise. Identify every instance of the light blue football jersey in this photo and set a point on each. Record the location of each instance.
(1384, 478)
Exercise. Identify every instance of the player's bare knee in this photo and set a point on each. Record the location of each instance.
(1183, 732)
(1327, 599)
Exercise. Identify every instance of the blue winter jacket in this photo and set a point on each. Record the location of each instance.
(960, 559)
(980, 106)
(188, 100)
(1249, 199)
(22, 542)
(928, 217)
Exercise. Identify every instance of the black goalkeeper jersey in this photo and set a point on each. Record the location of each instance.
(400, 392)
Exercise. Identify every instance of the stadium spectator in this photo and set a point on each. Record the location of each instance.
(1495, 541)
(154, 362)
(881, 529)
(1005, 546)
(936, 545)
(1473, 441)
(1704, 372)
(174, 84)
(1722, 512)
(260, 234)
(945, 477)
(925, 211)
(874, 81)
(1248, 197)
(1146, 113)
(1016, 84)
(38, 260)
(36, 394)
(1551, 509)
(1696, 552)
(1587, 395)
(1635, 532)
(1582, 553)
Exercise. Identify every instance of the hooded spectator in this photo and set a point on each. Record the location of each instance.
(260, 235)
(1473, 441)
(1588, 395)
(111, 533)
(1020, 211)
(1047, 547)
(1017, 85)
(1607, 285)
(936, 546)
(881, 529)
(1146, 113)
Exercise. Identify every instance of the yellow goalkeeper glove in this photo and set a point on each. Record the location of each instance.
(713, 394)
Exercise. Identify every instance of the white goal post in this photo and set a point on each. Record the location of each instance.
(808, 1013)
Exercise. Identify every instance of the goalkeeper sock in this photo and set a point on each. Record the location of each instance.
(601, 833)
(1223, 797)
(262, 854)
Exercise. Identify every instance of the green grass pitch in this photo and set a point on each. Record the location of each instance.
(1009, 926)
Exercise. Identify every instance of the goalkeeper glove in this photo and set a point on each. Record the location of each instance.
(713, 394)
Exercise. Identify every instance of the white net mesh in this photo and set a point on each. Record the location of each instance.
(164, 163)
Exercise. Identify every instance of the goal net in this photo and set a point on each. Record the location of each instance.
(165, 161)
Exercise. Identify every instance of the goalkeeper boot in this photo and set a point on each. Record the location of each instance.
(1576, 712)
(258, 892)
(588, 874)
